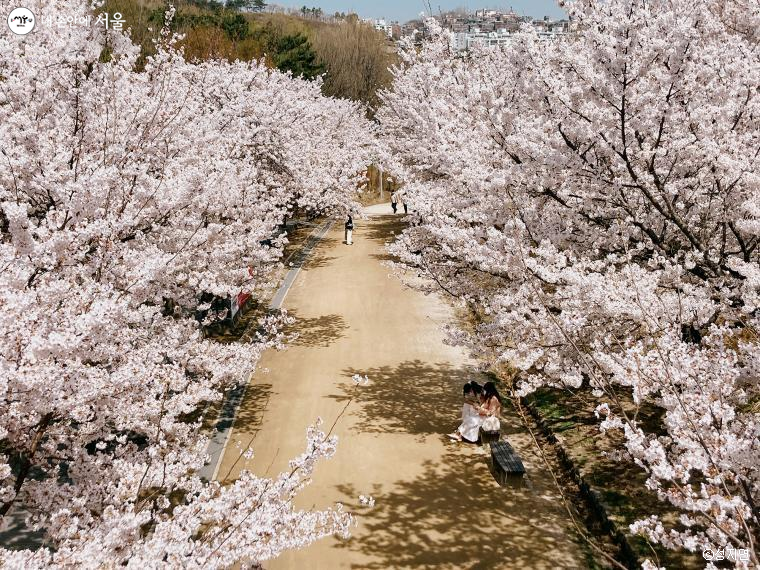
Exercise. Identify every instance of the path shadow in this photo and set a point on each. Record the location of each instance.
(384, 228)
(310, 254)
(329, 242)
(251, 411)
(317, 331)
(247, 425)
(317, 259)
(384, 257)
(451, 516)
(15, 534)
(414, 397)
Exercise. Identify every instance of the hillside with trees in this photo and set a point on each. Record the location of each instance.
(353, 57)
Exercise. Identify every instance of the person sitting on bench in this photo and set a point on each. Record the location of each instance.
(469, 429)
(490, 408)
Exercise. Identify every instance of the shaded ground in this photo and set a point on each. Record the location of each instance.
(437, 505)
(16, 535)
(620, 484)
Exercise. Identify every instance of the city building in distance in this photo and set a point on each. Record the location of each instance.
(486, 27)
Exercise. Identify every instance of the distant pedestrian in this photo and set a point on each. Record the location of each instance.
(349, 230)
(406, 210)
(394, 202)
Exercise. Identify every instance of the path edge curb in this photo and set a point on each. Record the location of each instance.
(222, 430)
(591, 496)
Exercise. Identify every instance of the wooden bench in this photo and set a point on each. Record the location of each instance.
(506, 463)
(489, 436)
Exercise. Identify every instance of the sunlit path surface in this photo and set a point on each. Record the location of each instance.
(437, 505)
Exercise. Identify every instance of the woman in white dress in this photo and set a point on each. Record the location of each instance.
(472, 419)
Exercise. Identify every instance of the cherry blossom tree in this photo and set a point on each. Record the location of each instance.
(124, 197)
(594, 201)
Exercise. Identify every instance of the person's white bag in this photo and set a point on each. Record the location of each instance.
(491, 423)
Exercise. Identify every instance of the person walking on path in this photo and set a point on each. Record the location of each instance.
(349, 230)
(406, 210)
(394, 201)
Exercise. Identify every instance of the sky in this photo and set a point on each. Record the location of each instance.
(404, 10)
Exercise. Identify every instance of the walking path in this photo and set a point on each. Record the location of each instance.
(437, 505)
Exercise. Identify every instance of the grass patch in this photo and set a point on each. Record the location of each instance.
(570, 415)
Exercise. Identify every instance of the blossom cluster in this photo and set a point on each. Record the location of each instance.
(130, 191)
(595, 201)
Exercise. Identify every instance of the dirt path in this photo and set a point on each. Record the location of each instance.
(437, 504)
